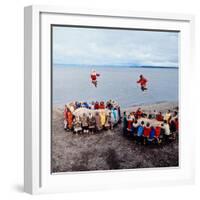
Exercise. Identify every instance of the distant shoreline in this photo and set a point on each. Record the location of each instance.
(116, 66)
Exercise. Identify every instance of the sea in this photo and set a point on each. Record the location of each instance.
(73, 83)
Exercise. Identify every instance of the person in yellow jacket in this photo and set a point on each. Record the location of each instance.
(102, 118)
(168, 116)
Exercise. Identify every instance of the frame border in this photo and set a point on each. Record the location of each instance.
(32, 86)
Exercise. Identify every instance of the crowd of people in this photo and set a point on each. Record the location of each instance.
(152, 128)
(83, 117)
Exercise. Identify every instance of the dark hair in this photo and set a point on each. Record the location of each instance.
(165, 121)
(136, 121)
(162, 124)
(148, 124)
(142, 122)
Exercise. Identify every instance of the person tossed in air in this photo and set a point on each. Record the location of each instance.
(143, 83)
(94, 76)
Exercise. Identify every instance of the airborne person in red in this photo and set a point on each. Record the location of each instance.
(143, 83)
(94, 76)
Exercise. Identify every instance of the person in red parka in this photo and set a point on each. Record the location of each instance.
(96, 105)
(94, 76)
(147, 130)
(65, 117)
(143, 83)
(159, 117)
(157, 134)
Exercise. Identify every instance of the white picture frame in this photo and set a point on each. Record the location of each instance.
(37, 175)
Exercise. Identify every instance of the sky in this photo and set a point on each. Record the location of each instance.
(90, 46)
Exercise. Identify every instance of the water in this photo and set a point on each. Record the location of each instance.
(119, 83)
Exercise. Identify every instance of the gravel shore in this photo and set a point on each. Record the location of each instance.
(108, 150)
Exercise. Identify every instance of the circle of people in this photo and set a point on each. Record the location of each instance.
(153, 128)
(83, 117)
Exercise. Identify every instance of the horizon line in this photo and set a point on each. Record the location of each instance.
(117, 65)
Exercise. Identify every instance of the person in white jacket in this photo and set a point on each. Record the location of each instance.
(167, 132)
(166, 127)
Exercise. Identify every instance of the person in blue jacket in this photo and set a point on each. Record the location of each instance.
(140, 131)
(152, 135)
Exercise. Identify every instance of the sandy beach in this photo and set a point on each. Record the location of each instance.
(108, 150)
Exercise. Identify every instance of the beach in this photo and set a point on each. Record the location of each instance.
(108, 150)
